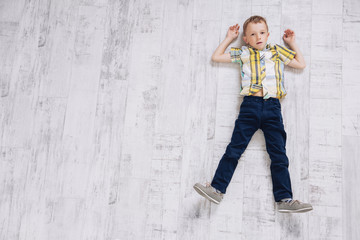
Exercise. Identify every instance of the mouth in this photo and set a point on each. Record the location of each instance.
(259, 43)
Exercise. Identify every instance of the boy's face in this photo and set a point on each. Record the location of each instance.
(256, 35)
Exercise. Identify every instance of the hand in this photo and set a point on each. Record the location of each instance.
(289, 36)
(233, 32)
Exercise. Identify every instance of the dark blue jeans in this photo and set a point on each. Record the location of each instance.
(255, 113)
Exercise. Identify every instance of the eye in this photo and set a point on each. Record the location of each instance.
(252, 34)
(262, 32)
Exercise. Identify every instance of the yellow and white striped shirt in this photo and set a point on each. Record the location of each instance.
(262, 69)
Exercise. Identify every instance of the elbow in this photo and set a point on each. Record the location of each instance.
(214, 58)
(302, 65)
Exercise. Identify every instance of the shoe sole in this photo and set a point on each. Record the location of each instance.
(296, 211)
(204, 194)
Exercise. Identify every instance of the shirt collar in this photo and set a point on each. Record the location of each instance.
(267, 47)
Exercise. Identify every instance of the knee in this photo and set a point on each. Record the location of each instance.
(282, 163)
(276, 150)
(233, 151)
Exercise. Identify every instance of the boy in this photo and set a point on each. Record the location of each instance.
(262, 72)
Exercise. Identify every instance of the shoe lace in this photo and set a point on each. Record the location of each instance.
(208, 184)
(293, 202)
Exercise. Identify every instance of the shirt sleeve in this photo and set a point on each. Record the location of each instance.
(235, 54)
(285, 54)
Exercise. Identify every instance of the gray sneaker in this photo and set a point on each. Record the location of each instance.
(294, 206)
(209, 192)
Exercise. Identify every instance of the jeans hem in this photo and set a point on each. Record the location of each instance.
(217, 188)
(278, 199)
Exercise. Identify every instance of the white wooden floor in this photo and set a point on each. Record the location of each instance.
(111, 110)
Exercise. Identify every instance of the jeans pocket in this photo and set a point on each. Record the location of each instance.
(278, 105)
(246, 104)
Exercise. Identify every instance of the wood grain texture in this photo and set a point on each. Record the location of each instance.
(112, 110)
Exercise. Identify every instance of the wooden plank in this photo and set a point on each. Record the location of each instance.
(325, 126)
(140, 66)
(22, 97)
(168, 162)
(350, 120)
(351, 208)
(56, 44)
(8, 32)
(14, 200)
(78, 132)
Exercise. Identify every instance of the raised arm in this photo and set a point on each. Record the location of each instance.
(219, 55)
(298, 61)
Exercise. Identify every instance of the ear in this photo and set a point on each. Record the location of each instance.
(245, 39)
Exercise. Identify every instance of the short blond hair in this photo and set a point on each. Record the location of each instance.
(254, 19)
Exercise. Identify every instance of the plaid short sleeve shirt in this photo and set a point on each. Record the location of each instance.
(262, 69)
